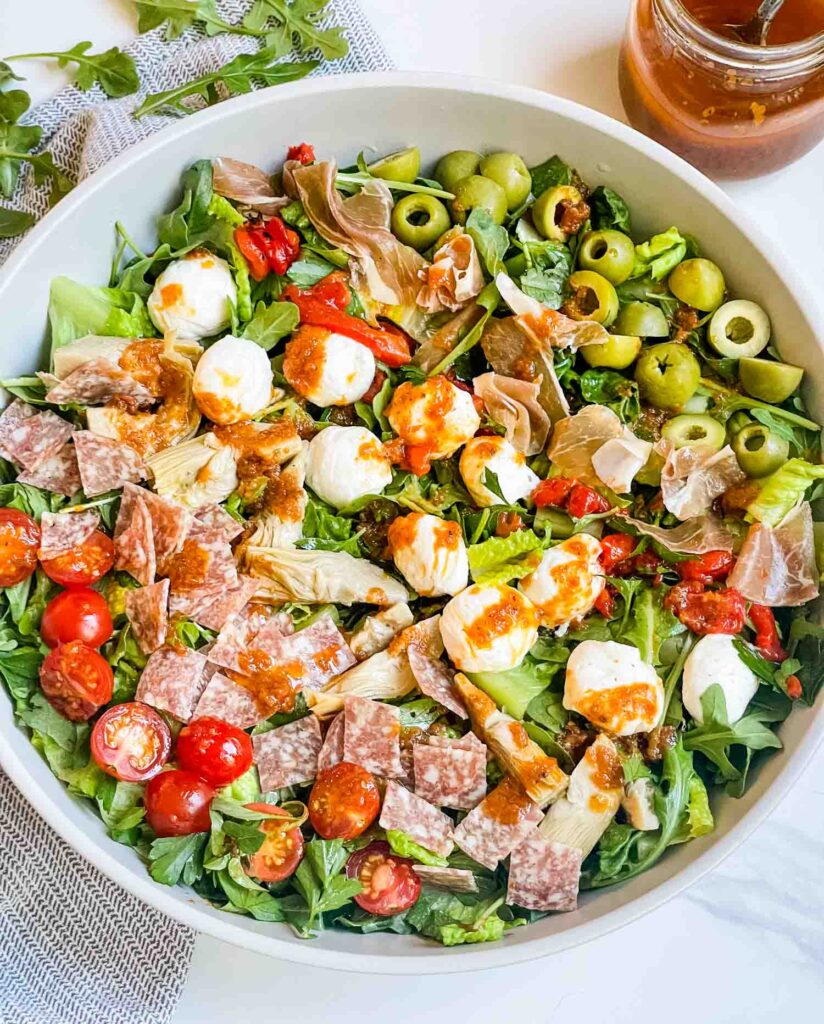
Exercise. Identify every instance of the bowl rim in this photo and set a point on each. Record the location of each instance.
(194, 914)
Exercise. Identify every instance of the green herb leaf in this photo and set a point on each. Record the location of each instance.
(296, 23)
(491, 240)
(612, 389)
(177, 859)
(271, 323)
(14, 222)
(609, 211)
(113, 69)
(550, 173)
(182, 14)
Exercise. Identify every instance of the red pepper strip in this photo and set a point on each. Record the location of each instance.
(554, 491)
(709, 568)
(615, 549)
(304, 153)
(388, 344)
(766, 633)
(605, 603)
(794, 688)
(585, 501)
(707, 611)
(253, 252)
(268, 246)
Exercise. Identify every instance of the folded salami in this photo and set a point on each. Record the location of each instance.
(134, 547)
(435, 680)
(225, 699)
(104, 464)
(544, 875)
(372, 736)
(170, 521)
(426, 825)
(331, 753)
(147, 612)
(31, 438)
(449, 776)
(172, 681)
(217, 518)
(502, 820)
(61, 532)
(59, 473)
(213, 612)
(289, 754)
(97, 382)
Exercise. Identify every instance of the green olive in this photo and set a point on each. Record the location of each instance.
(456, 165)
(554, 522)
(509, 171)
(739, 329)
(650, 474)
(737, 422)
(698, 283)
(611, 253)
(592, 298)
(667, 375)
(618, 353)
(769, 381)
(420, 220)
(696, 430)
(548, 210)
(759, 450)
(642, 319)
(477, 192)
(405, 165)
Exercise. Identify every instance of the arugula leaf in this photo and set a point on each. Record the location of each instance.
(609, 211)
(550, 173)
(548, 266)
(806, 645)
(306, 272)
(405, 846)
(491, 240)
(650, 624)
(547, 742)
(612, 389)
(177, 859)
(491, 483)
(16, 143)
(501, 559)
(271, 323)
(547, 709)
(113, 69)
(14, 222)
(183, 14)
(297, 23)
(7, 75)
(184, 225)
(238, 76)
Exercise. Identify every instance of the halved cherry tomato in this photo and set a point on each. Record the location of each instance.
(19, 541)
(766, 633)
(708, 568)
(647, 564)
(282, 849)
(80, 614)
(605, 603)
(615, 549)
(585, 501)
(131, 742)
(215, 750)
(76, 680)
(83, 565)
(389, 882)
(554, 491)
(304, 153)
(344, 801)
(707, 611)
(177, 803)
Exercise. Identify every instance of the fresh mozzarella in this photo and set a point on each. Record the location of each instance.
(639, 806)
(435, 415)
(345, 463)
(430, 553)
(488, 628)
(497, 456)
(327, 368)
(233, 380)
(568, 581)
(193, 297)
(619, 459)
(714, 659)
(610, 685)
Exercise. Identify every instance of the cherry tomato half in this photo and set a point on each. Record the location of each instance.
(616, 548)
(707, 568)
(177, 803)
(282, 849)
(83, 565)
(131, 742)
(19, 541)
(389, 882)
(585, 501)
(76, 680)
(215, 750)
(80, 614)
(707, 611)
(344, 801)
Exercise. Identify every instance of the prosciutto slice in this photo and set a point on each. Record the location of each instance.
(246, 184)
(455, 276)
(694, 476)
(576, 439)
(545, 325)
(776, 566)
(516, 406)
(694, 537)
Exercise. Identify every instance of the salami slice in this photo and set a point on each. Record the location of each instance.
(106, 465)
(469, 741)
(61, 532)
(453, 879)
(425, 824)
(134, 548)
(170, 524)
(32, 438)
(313, 655)
(217, 518)
(172, 681)
(289, 754)
(435, 680)
(449, 776)
(96, 382)
(214, 613)
(544, 875)
(331, 753)
(238, 632)
(502, 820)
(204, 562)
(146, 610)
(225, 699)
(59, 473)
(372, 736)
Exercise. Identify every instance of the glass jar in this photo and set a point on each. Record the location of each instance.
(731, 109)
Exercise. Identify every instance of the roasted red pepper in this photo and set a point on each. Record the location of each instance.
(766, 633)
(554, 491)
(707, 611)
(708, 568)
(605, 603)
(585, 501)
(324, 305)
(794, 688)
(615, 549)
(304, 153)
(268, 246)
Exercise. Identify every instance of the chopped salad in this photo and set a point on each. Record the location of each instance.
(403, 553)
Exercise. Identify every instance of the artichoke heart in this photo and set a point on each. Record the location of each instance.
(198, 472)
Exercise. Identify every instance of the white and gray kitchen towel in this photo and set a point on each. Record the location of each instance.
(74, 947)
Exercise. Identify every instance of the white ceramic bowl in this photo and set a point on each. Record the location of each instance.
(340, 116)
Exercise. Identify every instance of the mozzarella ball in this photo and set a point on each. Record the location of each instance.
(194, 297)
(233, 380)
(568, 581)
(430, 554)
(613, 688)
(435, 414)
(327, 368)
(714, 659)
(488, 628)
(496, 455)
(346, 463)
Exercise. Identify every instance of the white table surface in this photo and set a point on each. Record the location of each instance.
(746, 943)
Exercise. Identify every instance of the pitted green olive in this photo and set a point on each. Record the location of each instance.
(698, 283)
(592, 297)
(759, 450)
(695, 430)
(618, 353)
(642, 319)
(477, 192)
(405, 165)
(667, 375)
(739, 329)
(456, 165)
(769, 381)
(420, 220)
(510, 172)
(610, 253)
(548, 211)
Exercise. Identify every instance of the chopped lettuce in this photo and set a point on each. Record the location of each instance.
(660, 255)
(76, 310)
(405, 846)
(501, 559)
(782, 490)
(514, 689)
(699, 815)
